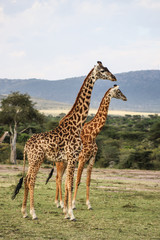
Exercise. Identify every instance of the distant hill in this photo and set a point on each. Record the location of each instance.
(142, 88)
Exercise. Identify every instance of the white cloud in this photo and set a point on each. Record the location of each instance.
(1, 15)
(97, 8)
(150, 4)
(18, 54)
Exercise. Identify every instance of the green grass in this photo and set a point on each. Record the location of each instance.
(117, 213)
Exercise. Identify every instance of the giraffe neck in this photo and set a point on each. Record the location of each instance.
(3, 137)
(101, 115)
(79, 112)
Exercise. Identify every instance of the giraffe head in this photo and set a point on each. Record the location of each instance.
(101, 72)
(115, 92)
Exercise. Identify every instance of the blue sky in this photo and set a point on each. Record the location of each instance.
(56, 39)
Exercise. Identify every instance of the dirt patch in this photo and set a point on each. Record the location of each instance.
(110, 179)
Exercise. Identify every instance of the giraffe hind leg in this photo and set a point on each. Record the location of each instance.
(31, 179)
(24, 204)
(89, 171)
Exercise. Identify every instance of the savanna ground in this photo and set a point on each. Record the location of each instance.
(126, 205)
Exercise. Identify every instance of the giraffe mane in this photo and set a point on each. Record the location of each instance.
(100, 105)
(76, 97)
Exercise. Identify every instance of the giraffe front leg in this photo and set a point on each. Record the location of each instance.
(89, 171)
(63, 166)
(78, 179)
(24, 204)
(70, 175)
(60, 192)
(65, 209)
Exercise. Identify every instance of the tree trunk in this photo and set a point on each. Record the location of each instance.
(13, 144)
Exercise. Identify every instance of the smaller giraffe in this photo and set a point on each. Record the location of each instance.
(6, 133)
(88, 135)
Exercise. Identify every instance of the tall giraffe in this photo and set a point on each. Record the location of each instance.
(63, 144)
(88, 135)
(3, 136)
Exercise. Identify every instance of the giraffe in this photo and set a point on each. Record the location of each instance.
(88, 135)
(63, 144)
(6, 133)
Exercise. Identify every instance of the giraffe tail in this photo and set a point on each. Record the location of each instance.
(50, 174)
(19, 185)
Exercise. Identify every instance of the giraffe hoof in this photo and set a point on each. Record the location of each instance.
(90, 208)
(73, 220)
(25, 216)
(74, 208)
(35, 218)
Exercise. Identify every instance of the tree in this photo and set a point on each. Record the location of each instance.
(139, 160)
(18, 109)
(155, 133)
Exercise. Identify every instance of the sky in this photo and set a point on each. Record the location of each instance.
(57, 39)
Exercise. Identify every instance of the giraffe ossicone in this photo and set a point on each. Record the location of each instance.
(63, 144)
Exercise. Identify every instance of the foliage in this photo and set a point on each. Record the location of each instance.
(138, 142)
(139, 160)
(18, 108)
(4, 153)
(124, 142)
(155, 133)
(109, 155)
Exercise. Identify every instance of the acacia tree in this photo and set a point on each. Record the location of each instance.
(18, 109)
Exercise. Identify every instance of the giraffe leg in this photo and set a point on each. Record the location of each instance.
(89, 171)
(32, 210)
(71, 169)
(64, 166)
(78, 179)
(57, 191)
(32, 173)
(68, 188)
(65, 209)
(60, 192)
(24, 204)
(61, 167)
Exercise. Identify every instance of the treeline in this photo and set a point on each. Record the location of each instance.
(124, 142)
(130, 142)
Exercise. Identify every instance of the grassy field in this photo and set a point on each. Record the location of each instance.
(126, 205)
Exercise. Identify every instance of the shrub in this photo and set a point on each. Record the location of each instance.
(139, 160)
(4, 153)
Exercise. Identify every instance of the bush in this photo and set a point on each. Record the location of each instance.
(23, 137)
(139, 160)
(4, 153)
(108, 153)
